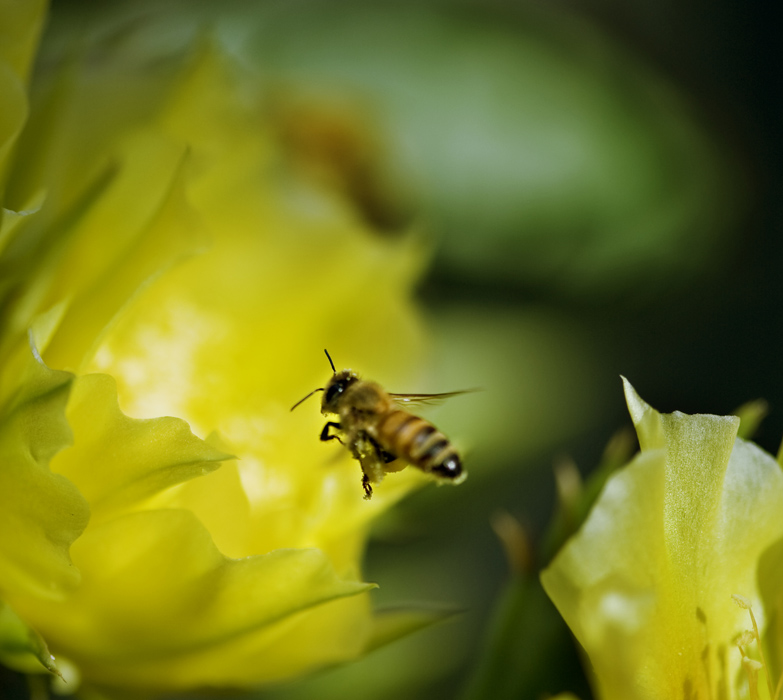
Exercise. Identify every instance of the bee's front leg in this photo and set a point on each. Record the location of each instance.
(367, 487)
(325, 432)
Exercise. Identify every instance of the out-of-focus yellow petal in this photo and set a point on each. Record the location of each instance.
(12, 118)
(152, 227)
(118, 462)
(770, 577)
(157, 598)
(646, 584)
(225, 340)
(324, 635)
(41, 513)
(20, 27)
(249, 573)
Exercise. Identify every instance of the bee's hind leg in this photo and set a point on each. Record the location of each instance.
(391, 462)
(325, 432)
(386, 457)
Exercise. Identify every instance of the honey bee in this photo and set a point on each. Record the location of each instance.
(380, 434)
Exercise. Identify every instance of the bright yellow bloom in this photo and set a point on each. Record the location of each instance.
(676, 573)
(160, 252)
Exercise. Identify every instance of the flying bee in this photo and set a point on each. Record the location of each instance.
(382, 435)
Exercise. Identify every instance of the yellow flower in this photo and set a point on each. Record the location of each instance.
(674, 576)
(160, 252)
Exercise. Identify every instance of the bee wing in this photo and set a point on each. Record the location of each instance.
(422, 399)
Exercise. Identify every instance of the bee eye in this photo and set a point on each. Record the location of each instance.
(334, 391)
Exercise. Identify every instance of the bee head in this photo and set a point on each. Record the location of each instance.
(334, 390)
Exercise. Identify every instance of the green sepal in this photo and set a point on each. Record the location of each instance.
(21, 647)
(391, 624)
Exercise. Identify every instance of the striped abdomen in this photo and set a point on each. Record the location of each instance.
(419, 443)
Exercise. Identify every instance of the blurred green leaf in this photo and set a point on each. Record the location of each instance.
(751, 414)
(572, 512)
(544, 152)
(522, 655)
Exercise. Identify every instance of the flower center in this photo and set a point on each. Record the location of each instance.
(752, 666)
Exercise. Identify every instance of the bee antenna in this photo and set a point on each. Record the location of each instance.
(329, 357)
(306, 397)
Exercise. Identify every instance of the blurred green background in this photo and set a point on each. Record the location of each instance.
(598, 182)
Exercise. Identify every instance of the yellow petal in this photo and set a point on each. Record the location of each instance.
(160, 605)
(41, 513)
(224, 340)
(646, 584)
(646, 420)
(118, 462)
(153, 227)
